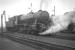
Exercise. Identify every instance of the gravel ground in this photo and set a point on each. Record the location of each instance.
(6, 44)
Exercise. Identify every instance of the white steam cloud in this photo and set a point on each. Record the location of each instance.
(60, 23)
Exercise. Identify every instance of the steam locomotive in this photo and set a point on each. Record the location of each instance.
(32, 23)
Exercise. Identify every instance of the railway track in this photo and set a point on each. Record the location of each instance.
(39, 45)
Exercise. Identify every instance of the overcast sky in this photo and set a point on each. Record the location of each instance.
(16, 7)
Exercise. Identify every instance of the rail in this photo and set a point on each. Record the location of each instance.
(36, 44)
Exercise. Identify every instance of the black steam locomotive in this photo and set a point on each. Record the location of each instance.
(32, 23)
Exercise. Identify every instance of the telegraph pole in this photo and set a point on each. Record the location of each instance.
(31, 7)
(54, 10)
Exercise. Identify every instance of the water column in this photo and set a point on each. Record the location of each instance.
(3, 21)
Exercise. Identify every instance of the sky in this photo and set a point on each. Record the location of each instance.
(16, 7)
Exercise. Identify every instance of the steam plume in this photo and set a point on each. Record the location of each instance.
(60, 23)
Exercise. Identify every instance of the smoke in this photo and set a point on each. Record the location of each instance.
(60, 23)
(44, 4)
